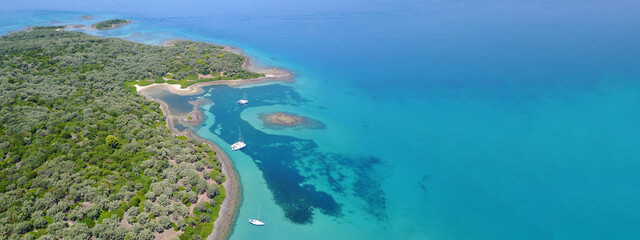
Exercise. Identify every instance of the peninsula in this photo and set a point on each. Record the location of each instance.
(85, 156)
(111, 24)
(195, 117)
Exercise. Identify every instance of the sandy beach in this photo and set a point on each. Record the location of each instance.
(197, 88)
(271, 74)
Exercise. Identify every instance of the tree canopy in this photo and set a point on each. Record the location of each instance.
(110, 23)
(80, 150)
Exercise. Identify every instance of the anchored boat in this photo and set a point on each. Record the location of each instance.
(256, 221)
(244, 100)
(239, 144)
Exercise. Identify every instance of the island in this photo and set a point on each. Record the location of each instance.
(111, 24)
(84, 155)
(280, 120)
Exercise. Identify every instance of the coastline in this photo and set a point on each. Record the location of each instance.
(197, 88)
(223, 225)
(271, 74)
(195, 117)
(171, 42)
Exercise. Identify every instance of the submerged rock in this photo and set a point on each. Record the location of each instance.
(280, 120)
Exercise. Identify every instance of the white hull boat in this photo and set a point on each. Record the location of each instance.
(256, 221)
(239, 144)
(244, 100)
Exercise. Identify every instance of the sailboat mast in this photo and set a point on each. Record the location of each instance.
(258, 213)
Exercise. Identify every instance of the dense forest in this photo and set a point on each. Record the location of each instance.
(83, 155)
(110, 23)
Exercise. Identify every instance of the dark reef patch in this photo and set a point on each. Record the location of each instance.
(282, 120)
(282, 158)
(367, 174)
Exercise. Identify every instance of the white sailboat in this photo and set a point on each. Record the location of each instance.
(256, 221)
(239, 144)
(244, 100)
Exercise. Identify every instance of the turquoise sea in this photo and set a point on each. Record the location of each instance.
(439, 119)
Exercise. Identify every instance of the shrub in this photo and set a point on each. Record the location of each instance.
(112, 141)
(143, 218)
(213, 190)
(201, 206)
(164, 222)
(40, 222)
(150, 196)
(181, 225)
(22, 227)
(28, 237)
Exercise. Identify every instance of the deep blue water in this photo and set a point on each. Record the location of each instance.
(443, 119)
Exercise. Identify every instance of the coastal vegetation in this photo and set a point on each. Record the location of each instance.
(48, 27)
(109, 24)
(185, 71)
(82, 155)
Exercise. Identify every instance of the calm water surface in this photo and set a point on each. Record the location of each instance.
(443, 119)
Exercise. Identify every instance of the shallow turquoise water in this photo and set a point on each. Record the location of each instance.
(444, 120)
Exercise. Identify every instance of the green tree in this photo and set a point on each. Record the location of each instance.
(201, 206)
(61, 160)
(112, 141)
(181, 224)
(213, 190)
(164, 222)
(23, 227)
